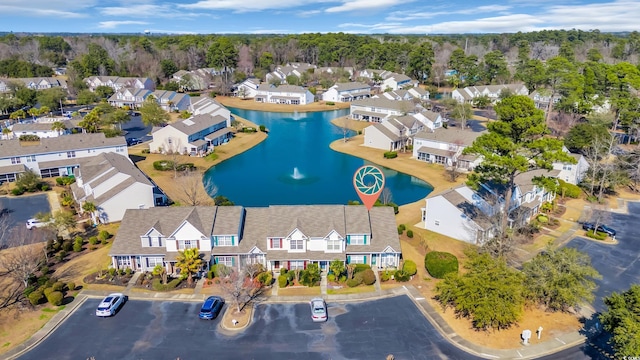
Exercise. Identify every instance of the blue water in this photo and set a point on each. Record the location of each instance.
(295, 166)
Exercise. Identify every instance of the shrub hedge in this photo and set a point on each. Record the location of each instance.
(36, 297)
(410, 234)
(158, 286)
(409, 267)
(598, 235)
(282, 281)
(385, 275)
(401, 276)
(266, 278)
(360, 267)
(368, 277)
(390, 155)
(568, 190)
(55, 298)
(438, 264)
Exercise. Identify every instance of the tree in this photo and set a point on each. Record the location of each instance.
(622, 320)
(91, 208)
(482, 101)
(421, 60)
(337, 268)
(241, 289)
(495, 67)
(168, 67)
(453, 153)
(489, 293)
(91, 122)
(601, 173)
(560, 279)
(51, 98)
(104, 92)
(558, 70)
(189, 263)
(582, 136)
(532, 74)
(462, 112)
(63, 221)
(515, 144)
(86, 97)
(161, 271)
(17, 115)
(152, 113)
(58, 126)
(117, 118)
(29, 180)
(194, 192)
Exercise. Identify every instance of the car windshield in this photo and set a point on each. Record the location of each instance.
(318, 310)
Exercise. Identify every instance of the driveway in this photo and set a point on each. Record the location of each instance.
(136, 129)
(20, 209)
(168, 330)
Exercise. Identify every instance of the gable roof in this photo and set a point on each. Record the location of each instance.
(75, 142)
(450, 136)
(385, 103)
(350, 86)
(196, 123)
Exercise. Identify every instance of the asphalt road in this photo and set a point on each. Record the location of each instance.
(168, 330)
(619, 266)
(136, 129)
(20, 209)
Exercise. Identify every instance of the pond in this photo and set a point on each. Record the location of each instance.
(295, 166)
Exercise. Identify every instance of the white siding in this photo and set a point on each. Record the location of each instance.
(444, 218)
(374, 138)
(131, 198)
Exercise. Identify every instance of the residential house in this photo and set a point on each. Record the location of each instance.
(335, 70)
(34, 83)
(347, 92)
(195, 80)
(40, 129)
(119, 82)
(469, 93)
(134, 98)
(470, 216)
(114, 184)
(444, 146)
(398, 132)
(284, 94)
(209, 126)
(377, 110)
(54, 156)
(171, 100)
(396, 81)
(281, 72)
(572, 173)
(130, 97)
(248, 88)
(277, 237)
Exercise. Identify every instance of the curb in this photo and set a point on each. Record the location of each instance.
(47, 329)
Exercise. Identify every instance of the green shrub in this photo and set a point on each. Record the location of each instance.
(47, 290)
(158, 286)
(283, 280)
(67, 245)
(113, 271)
(390, 154)
(401, 276)
(44, 187)
(104, 241)
(77, 247)
(221, 270)
(187, 166)
(93, 240)
(368, 277)
(163, 165)
(402, 227)
(438, 264)
(58, 286)
(65, 180)
(104, 235)
(331, 278)
(400, 230)
(44, 270)
(542, 219)
(35, 297)
(409, 267)
(265, 278)
(385, 275)
(330, 103)
(128, 271)
(71, 286)
(28, 290)
(360, 267)
(568, 190)
(55, 298)
(78, 240)
(354, 282)
(29, 137)
(146, 151)
(410, 234)
(291, 275)
(283, 271)
(210, 274)
(263, 128)
(18, 190)
(598, 235)
(343, 278)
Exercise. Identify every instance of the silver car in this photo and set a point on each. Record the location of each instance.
(110, 304)
(318, 310)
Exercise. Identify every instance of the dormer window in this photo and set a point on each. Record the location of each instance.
(296, 244)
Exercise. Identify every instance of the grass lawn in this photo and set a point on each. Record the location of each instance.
(354, 290)
(251, 104)
(299, 291)
(18, 325)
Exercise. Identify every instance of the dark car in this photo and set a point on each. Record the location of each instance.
(133, 141)
(601, 228)
(211, 308)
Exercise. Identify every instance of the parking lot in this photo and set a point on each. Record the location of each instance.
(168, 330)
(19, 209)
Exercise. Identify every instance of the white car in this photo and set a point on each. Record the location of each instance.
(35, 223)
(318, 310)
(109, 305)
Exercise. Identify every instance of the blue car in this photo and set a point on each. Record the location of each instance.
(211, 308)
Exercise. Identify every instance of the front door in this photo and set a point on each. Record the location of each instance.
(276, 265)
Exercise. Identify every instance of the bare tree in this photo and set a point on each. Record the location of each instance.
(597, 214)
(453, 153)
(193, 190)
(345, 123)
(252, 270)
(601, 168)
(241, 289)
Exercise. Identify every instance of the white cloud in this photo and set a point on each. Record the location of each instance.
(39, 12)
(367, 5)
(250, 5)
(117, 23)
(418, 15)
(146, 11)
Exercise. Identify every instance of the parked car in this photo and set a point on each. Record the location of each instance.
(318, 310)
(211, 308)
(133, 141)
(35, 223)
(601, 228)
(110, 304)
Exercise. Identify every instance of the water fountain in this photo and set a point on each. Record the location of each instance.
(296, 174)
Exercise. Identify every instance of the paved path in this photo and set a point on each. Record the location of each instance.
(323, 283)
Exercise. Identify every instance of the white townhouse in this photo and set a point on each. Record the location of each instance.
(277, 237)
(291, 69)
(195, 136)
(114, 184)
(284, 94)
(248, 88)
(414, 93)
(55, 156)
(377, 110)
(467, 215)
(34, 83)
(469, 93)
(119, 82)
(130, 97)
(444, 146)
(207, 105)
(195, 80)
(334, 70)
(134, 98)
(397, 132)
(40, 129)
(396, 81)
(572, 173)
(347, 92)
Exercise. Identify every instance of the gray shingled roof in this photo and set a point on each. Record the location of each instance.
(75, 142)
(351, 86)
(525, 180)
(450, 136)
(467, 208)
(197, 123)
(385, 103)
(386, 132)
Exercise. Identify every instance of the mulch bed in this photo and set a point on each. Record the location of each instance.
(145, 281)
(105, 278)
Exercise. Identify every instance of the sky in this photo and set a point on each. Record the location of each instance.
(315, 16)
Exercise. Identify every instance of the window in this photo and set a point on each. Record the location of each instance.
(186, 244)
(155, 241)
(356, 240)
(15, 160)
(296, 264)
(276, 243)
(31, 158)
(153, 261)
(334, 245)
(71, 154)
(296, 244)
(437, 222)
(226, 260)
(124, 261)
(356, 259)
(225, 240)
(118, 149)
